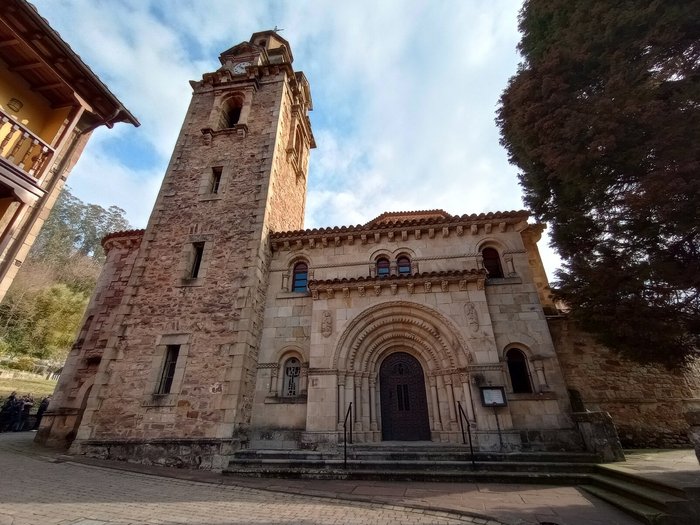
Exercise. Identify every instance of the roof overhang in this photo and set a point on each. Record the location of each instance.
(32, 49)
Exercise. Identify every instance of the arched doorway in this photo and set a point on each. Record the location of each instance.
(403, 401)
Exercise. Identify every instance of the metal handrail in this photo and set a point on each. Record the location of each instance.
(462, 419)
(348, 414)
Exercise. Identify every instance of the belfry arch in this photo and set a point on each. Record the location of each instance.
(396, 327)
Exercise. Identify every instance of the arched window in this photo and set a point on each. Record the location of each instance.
(300, 277)
(290, 381)
(383, 267)
(518, 371)
(231, 112)
(403, 265)
(492, 262)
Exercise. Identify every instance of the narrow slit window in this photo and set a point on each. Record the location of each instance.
(383, 267)
(492, 262)
(166, 379)
(233, 116)
(403, 265)
(215, 179)
(300, 277)
(197, 259)
(292, 371)
(518, 371)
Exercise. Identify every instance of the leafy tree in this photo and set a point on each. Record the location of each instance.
(41, 312)
(603, 120)
(74, 227)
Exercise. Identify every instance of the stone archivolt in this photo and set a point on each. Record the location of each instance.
(400, 325)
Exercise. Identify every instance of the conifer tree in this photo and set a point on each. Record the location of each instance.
(603, 121)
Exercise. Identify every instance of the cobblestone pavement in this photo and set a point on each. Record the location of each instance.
(37, 486)
(39, 490)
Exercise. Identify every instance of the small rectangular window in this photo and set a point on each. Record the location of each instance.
(166, 379)
(215, 179)
(197, 260)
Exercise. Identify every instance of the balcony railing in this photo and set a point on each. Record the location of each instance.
(22, 148)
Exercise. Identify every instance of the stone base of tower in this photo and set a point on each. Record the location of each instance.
(197, 453)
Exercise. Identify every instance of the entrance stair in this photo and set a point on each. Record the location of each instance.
(647, 500)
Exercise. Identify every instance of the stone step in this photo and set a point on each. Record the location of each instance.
(381, 464)
(441, 475)
(640, 511)
(408, 454)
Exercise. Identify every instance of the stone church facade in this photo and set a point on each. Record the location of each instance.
(225, 325)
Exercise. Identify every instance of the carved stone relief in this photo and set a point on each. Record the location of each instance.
(472, 317)
(326, 324)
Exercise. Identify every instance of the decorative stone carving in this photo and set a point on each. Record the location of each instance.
(377, 290)
(361, 291)
(472, 317)
(394, 289)
(428, 286)
(346, 292)
(460, 231)
(463, 285)
(330, 292)
(326, 324)
(445, 286)
(409, 287)
(314, 294)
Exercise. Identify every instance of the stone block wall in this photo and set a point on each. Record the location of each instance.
(645, 401)
(60, 422)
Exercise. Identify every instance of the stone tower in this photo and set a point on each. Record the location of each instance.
(180, 359)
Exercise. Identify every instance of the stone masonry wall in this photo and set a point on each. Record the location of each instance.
(645, 401)
(215, 318)
(59, 423)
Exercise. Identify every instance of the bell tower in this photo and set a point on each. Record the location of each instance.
(181, 354)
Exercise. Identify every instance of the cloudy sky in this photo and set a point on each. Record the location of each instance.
(404, 93)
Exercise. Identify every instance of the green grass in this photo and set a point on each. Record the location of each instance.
(39, 388)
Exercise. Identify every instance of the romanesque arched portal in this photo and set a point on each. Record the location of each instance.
(423, 337)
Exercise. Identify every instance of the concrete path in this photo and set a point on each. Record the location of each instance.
(39, 486)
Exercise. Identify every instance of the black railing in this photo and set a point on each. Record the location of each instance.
(462, 420)
(348, 414)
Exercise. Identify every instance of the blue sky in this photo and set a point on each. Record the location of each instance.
(404, 92)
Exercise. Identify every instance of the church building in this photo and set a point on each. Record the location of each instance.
(225, 325)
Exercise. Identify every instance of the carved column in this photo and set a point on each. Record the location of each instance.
(341, 401)
(442, 396)
(372, 404)
(366, 403)
(358, 402)
(350, 393)
(437, 424)
(450, 399)
(468, 408)
(538, 365)
(273, 380)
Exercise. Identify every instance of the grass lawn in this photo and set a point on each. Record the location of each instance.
(39, 388)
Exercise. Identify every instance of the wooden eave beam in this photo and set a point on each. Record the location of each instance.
(26, 67)
(9, 42)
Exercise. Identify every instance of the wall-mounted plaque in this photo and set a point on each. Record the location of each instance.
(493, 396)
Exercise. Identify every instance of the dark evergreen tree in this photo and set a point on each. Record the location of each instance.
(603, 121)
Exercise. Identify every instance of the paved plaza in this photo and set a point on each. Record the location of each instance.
(39, 486)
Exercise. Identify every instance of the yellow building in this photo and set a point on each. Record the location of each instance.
(50, 102)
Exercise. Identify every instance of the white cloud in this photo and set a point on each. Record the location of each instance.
(404, 94)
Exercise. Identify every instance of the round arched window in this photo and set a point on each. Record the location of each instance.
(492, 262)
(300, 277)
(403, 265)
(383, 267)
(518, 371)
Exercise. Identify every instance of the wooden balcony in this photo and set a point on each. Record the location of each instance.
(24, 151)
